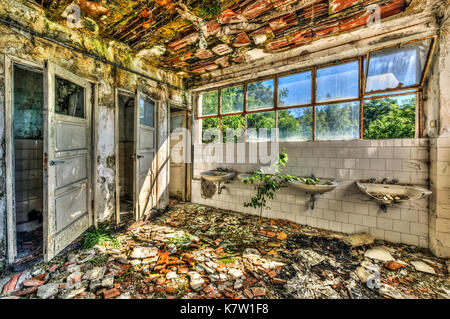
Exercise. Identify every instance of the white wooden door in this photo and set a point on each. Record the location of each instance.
(145, 146)
(67, 112)
(178, 153)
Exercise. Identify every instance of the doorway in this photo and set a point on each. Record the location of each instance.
(27, 142)
(48, 160)
(180, 167)
(126, 106)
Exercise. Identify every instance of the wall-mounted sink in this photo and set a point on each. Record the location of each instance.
(390, 193)
(217, 176)
(323, 186)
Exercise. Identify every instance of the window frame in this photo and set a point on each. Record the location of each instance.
(362, 95)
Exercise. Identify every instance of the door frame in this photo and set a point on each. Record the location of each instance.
(188, 167)
(117, 92)
(10, 61)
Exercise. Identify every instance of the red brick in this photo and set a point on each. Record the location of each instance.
(256, 8)
(111, 293)
(248, 293)
(32, 283)
(279, 281)
(259, 292)
(242, 40)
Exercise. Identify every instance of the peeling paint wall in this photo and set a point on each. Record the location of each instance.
(2, 168)
(22, 45)
(438, 102)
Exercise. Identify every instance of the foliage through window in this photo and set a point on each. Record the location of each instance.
(324, 102)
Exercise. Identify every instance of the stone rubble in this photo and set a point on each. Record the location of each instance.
(194, 251)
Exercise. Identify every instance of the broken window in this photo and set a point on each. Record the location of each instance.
(210, 130)
(295, 124)
(259, 126)
(397, 67)
(232, 128)
(209, 103)
(232, 100)
(326, 102)
(295, 89)
(337, 121)
(260, 95)
(147, 112)
(390, 117)
(69, 98)
(338, 82)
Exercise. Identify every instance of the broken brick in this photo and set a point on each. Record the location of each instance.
(111, 293)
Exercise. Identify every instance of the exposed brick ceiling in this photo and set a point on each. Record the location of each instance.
(167, 31)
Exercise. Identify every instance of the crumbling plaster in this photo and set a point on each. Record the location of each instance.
(438, 105)
(107, 77)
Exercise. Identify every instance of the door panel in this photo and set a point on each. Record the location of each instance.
(145, 165)
(70, 136)
(67, 109)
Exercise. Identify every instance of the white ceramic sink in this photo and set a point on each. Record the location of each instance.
(217, 176)
(323, 186)
(387, 193)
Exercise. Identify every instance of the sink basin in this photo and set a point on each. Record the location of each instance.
(387, 193)
(323, 186)
(217, 176)
(245, 175)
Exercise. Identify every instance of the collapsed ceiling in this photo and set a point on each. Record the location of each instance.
(192, 37)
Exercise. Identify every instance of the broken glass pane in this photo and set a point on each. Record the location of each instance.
(232, 100)
(210, 130)
(295, 89)
(338, 82)
(232, 128)
(260, 95)
(337, 121)
(209, 103)
(391, 117)
(260, 125)
(397, 67)
(69, 98)
(295, 124)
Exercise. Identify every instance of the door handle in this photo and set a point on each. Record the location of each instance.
(55, 162)
(140, 156)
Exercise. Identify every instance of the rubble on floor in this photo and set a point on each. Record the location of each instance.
(194, 251)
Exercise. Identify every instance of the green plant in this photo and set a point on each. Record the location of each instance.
(270, 183)
(99, 236)
(209, 9)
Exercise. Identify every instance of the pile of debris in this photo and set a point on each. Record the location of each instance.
(195, 251)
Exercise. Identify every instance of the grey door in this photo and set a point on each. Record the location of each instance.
(67, 109)
(145, 144)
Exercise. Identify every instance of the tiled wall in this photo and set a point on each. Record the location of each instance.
(28, 177)
(345, 209)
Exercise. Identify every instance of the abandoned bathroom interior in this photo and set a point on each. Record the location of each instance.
(91, 113)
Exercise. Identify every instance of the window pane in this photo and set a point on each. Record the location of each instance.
(260, 95)
(69, 98)
(232, 128)
(392, 117)
(210, 130)
(337, 121)
(146, 112)
(338, 82)
(209, 103)
(295, 124)
(397, 67)
(295, 89)
(232, 100)
(259, 126)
